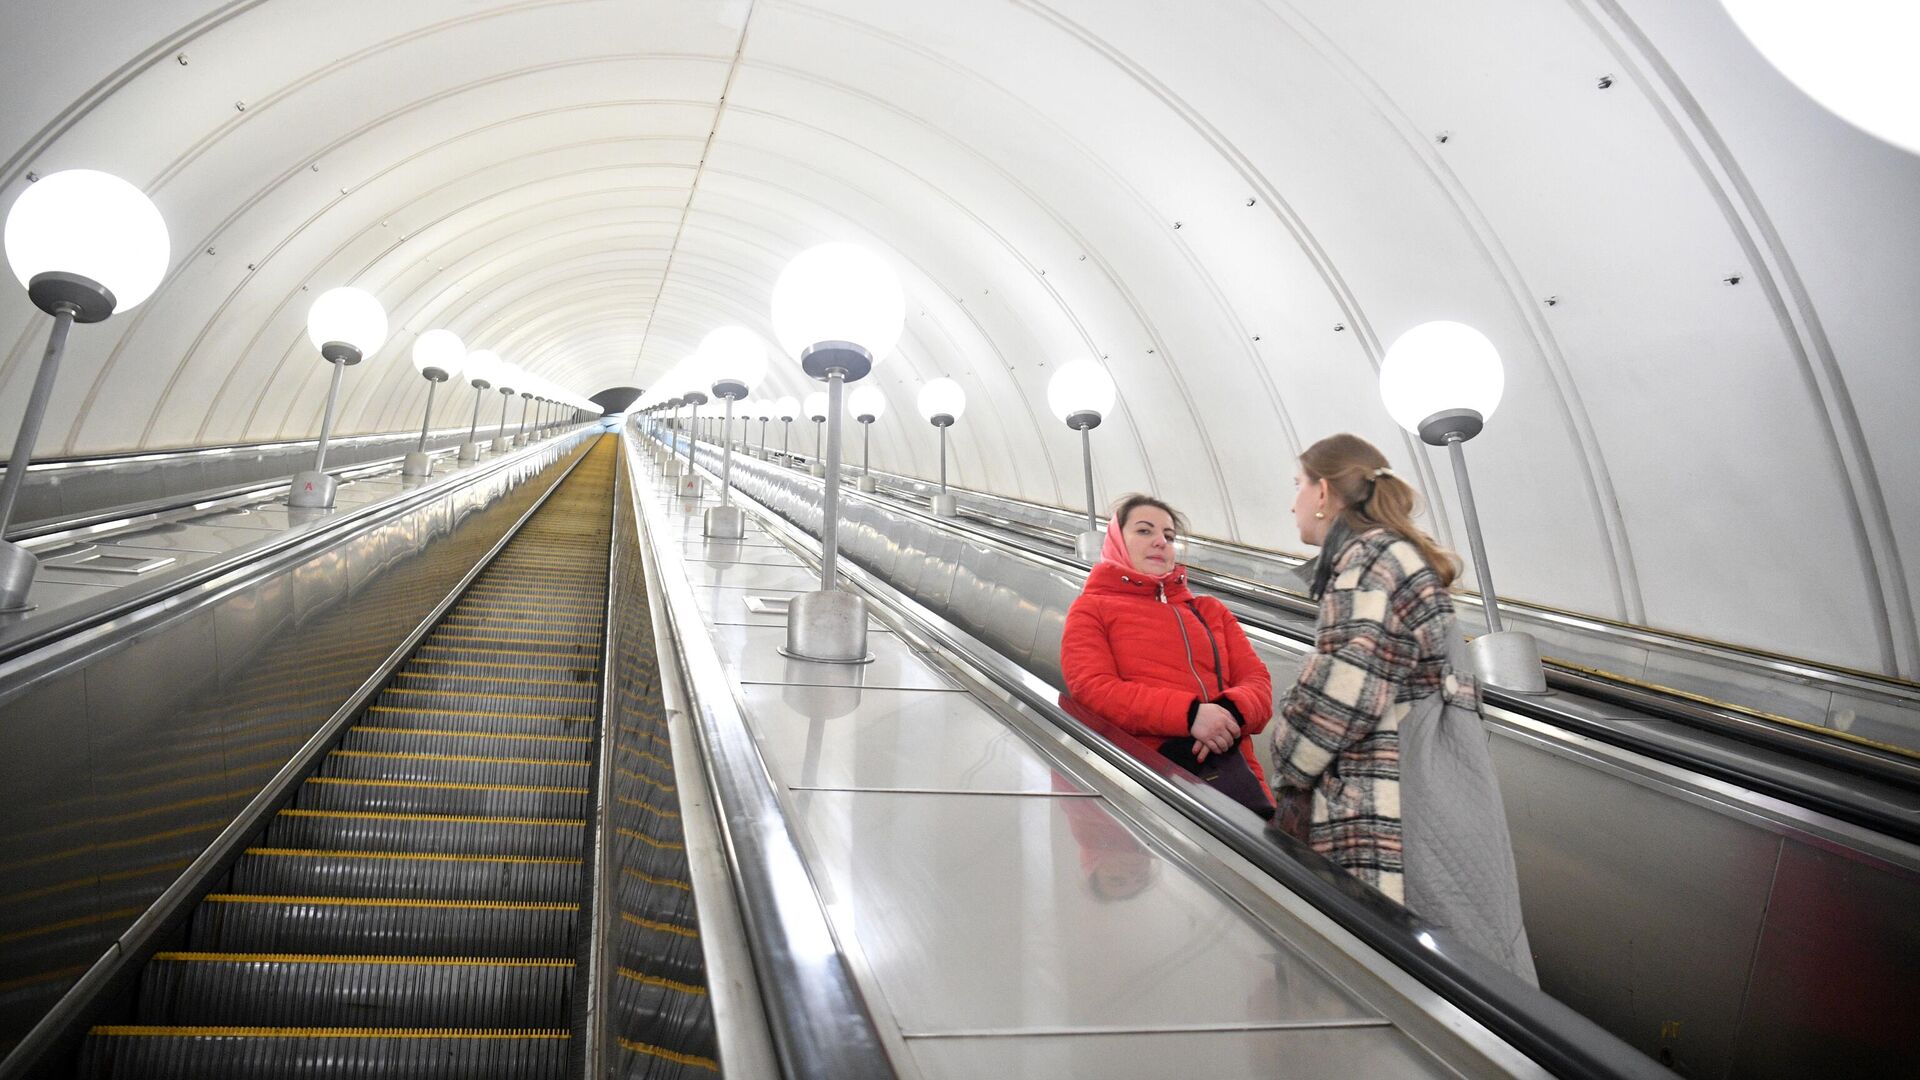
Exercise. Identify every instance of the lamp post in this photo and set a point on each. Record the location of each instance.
(526, 398)
(85, 244)
(672, 467)
(506, 374)
(867, 403)
(764, 417)
(942, 402)
(815, 409)
(838, 309)
(1442, 381)
(481, 366)
(1080, 394)
(691, 486)
(438, 356)
(345, 324)
(737, 360)
(785, 408)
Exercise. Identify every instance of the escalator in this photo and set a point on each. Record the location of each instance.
(415, 910)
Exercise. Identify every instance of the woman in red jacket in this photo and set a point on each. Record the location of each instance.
(1141, 652)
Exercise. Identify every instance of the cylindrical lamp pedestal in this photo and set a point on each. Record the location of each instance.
(1087, 545)
(690, 486)
(17, 567)
(417, 464)
(828, 627)
(869, 484)
(673, 467)
(314, 490)
(502, 444)
(726, 522)
(469, 453)
(817, 469)
(1509, 660)
(944, 505)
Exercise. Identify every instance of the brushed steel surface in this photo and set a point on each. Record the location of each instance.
(1617, 882)
(751, 654)
(181, 536)
(1009, 913)
(852, 737)
(1318, 1053)
(730, 551)
(1826, 999)
(726, 604)
(751, 576)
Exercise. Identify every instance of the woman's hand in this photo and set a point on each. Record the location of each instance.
(1214, 731)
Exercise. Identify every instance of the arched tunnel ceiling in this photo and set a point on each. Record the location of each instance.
(1234, 204)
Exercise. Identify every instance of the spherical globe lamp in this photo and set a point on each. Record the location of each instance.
(838, 306)
(481, 368)
(1080, 394)
(87, 240)
(439, 355)
(346, 324)
(1442, 379)
(867, 403)
(787, 407)
(1854, 57)
(815, 407)
(735, 359)
(942, 398)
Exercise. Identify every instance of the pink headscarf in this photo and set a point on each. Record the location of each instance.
(1114, 550)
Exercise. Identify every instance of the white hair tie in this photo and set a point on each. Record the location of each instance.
(1383, 471)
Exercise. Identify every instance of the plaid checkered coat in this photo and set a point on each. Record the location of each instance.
(1382, 641)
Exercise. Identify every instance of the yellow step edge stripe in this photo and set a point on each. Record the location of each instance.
(442, 734)
(489, 694)
(140, 1030)
(362, 815)
(413, 961)
(491, 678)
(425, 856)
(629, 774)
(655, 980)
(465, 712)
(401, 902)
(653, 924)
(401, 756)
(446, 785)
(515, 667)
(635, 834)
(671, 883)
(665, 1054)
(554, 639)
(647, 806)
(561, 647)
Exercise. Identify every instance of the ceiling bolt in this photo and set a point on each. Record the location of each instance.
(182, 58)
(1443, 137)
(1339, 326)
(316, 166)
(209, 250)
(1177, 224)
(1551, 301)
(1083, 258)
(250, 266)
(1731, 279)
(33, 177)
(1250, 202)
(239, 106)
(1149, 352)
(1256, 337)
(1605, 83)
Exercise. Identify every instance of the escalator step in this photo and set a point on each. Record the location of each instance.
(482, 621)
(413, 797)
(428, 677)
(425, 739)
(267, 871)
(528, 631)
(585, 671)
(243, 1053)
(231, 922)
(455, 768)
(395, 704)
(451, 834)
(269, 989)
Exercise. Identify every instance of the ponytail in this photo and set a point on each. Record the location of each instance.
(1374, 496)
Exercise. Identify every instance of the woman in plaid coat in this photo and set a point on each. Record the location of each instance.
(1385, 694)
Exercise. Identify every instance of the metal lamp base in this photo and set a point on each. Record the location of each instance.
(469, 453)
(827, 627)
(313, 490)
(690, 487)
(502, 445)
(1510, 661)
(17, 567)
(726, 523)
(818, 470)
(417, 464)
(944, 505)
(868, 484)
(1087, 546)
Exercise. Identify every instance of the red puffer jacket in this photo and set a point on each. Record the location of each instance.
(1125, 660)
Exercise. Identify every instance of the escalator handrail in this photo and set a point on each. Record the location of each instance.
(819, 1020)
(124, 612)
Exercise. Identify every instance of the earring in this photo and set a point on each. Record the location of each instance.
(1320, 515)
